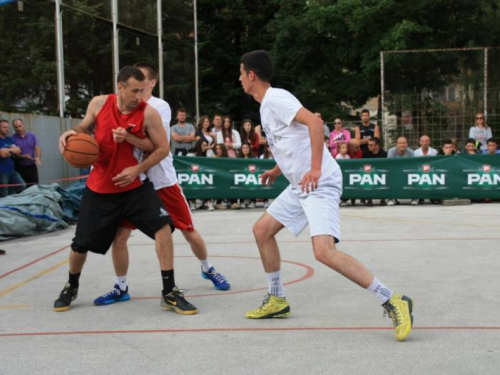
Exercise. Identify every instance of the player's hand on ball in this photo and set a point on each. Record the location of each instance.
(126, 177)
(310, 180)
(119, 135)
(62, 139)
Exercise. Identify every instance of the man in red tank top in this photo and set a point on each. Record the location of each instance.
(117, 187)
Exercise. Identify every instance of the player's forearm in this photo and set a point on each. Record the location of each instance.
(143, 144)
(38, 152)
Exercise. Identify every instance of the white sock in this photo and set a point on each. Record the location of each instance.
(275, 284)
(381, 291)
(205, 265)
(122, 282)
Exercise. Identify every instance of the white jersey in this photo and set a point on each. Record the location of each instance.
(163, 174)
(290, 140)
(430, 152)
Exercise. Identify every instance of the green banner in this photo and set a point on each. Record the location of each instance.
(436, 177)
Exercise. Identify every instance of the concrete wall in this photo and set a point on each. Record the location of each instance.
(47, 130)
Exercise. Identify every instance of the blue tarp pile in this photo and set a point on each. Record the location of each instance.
(39, 209)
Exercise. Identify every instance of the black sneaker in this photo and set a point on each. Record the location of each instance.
(68, 295)
(175, 301)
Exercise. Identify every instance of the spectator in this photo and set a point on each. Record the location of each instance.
(338, 135)
(217, 122)
(492, 145)
(366, 130)
(246, 152)
(447, 148)
(481, 132)
(220, 151)
(230, 137)
(354, 151)
(401, 151)
(374, 149)
(26, 164)
(425, 149)
(343, 152)
(470, 147)
(201, 148)
(248, 135)
(262, 137)
(8, 175)
(182, 134)
(204, 132)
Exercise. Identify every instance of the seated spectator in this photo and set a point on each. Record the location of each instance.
(425, 149)
(338, 135)
(246, 152)
(481, 132)
(262, 138)
(447, 148)
(343, 152)
(248, 135)
(204, 131)
(354, 150)
(230, 137)
(470, 147)
(374, 149)
(366, 130)
(201, 148)
(492, 147)
(267, 155)
(220, 151)
(30, 157)
(8, 175)
(401, 151)
(182, 134)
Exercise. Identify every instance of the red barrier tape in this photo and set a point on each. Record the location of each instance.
(49, 182)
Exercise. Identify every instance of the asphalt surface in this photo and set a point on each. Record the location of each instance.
(446, 258)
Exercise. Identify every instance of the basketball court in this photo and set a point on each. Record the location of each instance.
(446, 258)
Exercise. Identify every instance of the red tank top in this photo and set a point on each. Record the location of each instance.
(115, 157)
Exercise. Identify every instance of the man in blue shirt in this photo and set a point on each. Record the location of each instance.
(26, 164)
(8, 175)
(491, 147)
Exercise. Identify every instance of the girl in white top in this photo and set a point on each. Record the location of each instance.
(481, 132)
(343, 151)
(204, 130)
(230, 137)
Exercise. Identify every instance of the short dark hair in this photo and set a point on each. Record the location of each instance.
(447, 142)
(4, 120)
(365, 111)
(183, 110)
(376, 140)
(492, 140)
(128, 72)
(151, 69)
(260, 63)
(471, 140)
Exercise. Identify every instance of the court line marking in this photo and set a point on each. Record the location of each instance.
(11, 288)
(216, 330)
(34, 261)
(417, 221)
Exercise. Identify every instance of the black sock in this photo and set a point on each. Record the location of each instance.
(74, 280)
(168, 280)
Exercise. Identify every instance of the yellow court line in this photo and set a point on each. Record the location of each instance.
(14, 307)
(419, 222)
(4, 292)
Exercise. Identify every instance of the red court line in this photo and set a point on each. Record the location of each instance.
(33, 262)
(216, 330)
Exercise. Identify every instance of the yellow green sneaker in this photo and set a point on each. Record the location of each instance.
(272, 307)
(399, 309)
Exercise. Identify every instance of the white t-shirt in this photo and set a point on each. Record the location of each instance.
(163, 174)
(430, 152)
(345, 157)
(289, 140)
(236, 139)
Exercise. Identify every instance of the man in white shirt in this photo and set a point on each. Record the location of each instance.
(164, 179)
(295, 136)
(425, 149)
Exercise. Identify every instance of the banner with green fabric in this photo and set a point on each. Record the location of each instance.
(436, 177)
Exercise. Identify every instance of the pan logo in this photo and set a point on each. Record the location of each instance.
(486, 177)
(426, 177)
(195, 177)
(367, 178)
(250, 177)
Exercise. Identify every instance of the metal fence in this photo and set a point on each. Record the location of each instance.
(438, 93)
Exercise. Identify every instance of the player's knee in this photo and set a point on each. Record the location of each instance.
(260, 231)
(163, 233)
(323, 254)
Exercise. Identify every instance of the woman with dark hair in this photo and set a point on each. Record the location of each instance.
(481, 132)
(247, 153)
(248, 135)
(201, 148)
(204, 131)
(229, 137)
(220, 151)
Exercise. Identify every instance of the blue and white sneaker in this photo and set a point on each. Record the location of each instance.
(220, 282)
(116, 295)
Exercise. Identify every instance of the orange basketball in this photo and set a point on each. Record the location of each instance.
(81, 150)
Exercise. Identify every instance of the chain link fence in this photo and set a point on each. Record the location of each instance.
(438, 93)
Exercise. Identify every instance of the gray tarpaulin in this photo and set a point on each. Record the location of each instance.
(38, 209)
